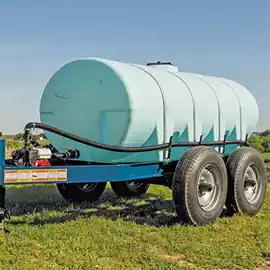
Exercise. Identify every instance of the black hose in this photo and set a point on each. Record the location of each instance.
(121, 148)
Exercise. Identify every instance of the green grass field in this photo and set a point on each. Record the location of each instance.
(266, 155)
(48, 233)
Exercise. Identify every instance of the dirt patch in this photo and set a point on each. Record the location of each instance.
(266, 264)
(180, 259)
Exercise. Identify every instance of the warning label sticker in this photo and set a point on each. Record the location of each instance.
(14, 176)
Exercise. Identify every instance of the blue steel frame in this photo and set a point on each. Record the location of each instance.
(86, 173)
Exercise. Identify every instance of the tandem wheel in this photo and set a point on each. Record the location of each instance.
(80, 192)
(199, 186)
(247, 181)
(129, 188)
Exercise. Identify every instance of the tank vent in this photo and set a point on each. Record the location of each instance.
(163, 65)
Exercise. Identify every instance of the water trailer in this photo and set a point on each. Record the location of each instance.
(134, 125)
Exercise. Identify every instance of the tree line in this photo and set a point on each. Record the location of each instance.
(19, 136)
(261, 141)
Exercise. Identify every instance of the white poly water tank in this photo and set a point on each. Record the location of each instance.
(133, 105)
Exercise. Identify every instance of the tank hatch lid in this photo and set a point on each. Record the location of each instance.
(163, 65)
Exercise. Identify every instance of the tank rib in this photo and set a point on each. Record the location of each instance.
(163, 99)
(193, 103)
(218, 104)
(238, 101)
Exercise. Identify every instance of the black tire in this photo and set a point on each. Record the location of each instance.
(188, 185)
(80, 192)
(130, 188)
(244, 163)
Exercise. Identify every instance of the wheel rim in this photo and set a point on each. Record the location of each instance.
(252, 185)
(134, 184)
(87, 187)
(208, 188)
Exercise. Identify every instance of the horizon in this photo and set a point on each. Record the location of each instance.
(226, 39)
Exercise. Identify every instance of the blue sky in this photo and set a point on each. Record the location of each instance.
(221, 38)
